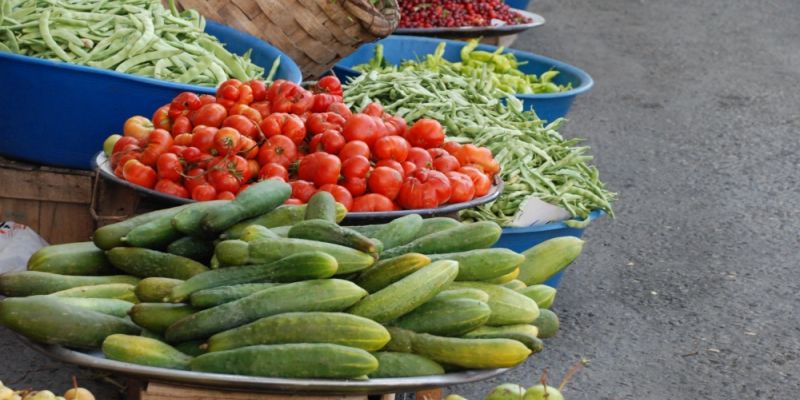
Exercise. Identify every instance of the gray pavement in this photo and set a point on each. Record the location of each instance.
(692, 292)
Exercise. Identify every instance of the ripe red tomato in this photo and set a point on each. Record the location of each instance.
(263, 108)
(463, 187)
(191, 154)
(226, 195)
(184, 139)
(289, 97)
(372, 202)
(426, 133)
(135, 172)
(180, 125)
(161, 118)
(446, 163)
(482, 182)
(138, 127)
(320, 168)
(330, 84)
(226, 141)
(203, 137)
(391, 148)
(123, 142)
(242, 124)
(169, 167)
(408, 168)
(373, 109)
(393, 165)
(243, 188)
(361, 127)
(340, 193)
(172, 188)
(329, 141)
(259, 89)
(396, 125)
(158, 142)
(323, 101)
(380, 129)
(288, 125)
(129, 152)
(325, 121)
(229, 89)
(272, 171)
(278, 149)
(183, 103)
(469, 154)
(210, 115)
(355, 167)
(245, 111)
(420, 157)
(341, 109)
(354, 148)
(302, 190)
(248, 148)
(424, 189)
(175, 149)
(385, 181)
(223, 181)
(451, 147)
(245, 94)
(204, 192)
(194, 178)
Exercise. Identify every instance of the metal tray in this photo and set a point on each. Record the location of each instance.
(95, 360)
(475, 31)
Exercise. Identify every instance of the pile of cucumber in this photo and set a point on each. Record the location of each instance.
(253, 287)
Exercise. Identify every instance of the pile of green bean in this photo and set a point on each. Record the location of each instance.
(138, 37)
(536, 160)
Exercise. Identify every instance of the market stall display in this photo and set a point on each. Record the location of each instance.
(456, 14)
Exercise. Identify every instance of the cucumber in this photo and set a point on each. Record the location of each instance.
(508, 307)
(405, 295)
(155, 290)
(315, 360)
(503, 279)
(543, 295)
(257, 199)
(144, 351)
(82, 258)
(305, 327)
(474, 294)
(316, 295)
(146, 263)
(192, 348)
(207, 298)
(399, 365)
(437, 224)
(470, 353)
(523, 333)
(257, 232)
(110, 236)
(158, 233)
(515, 285)
(27, 283)
(195, 248)
(547, 323)
(388, 271)
(114, 307)
(282, 231)
(321, 206)
(296, 267)
(453, 317)
(367, 230)
(548, 258)
(401, 340)
(482, 264)
(286, 215)
(117, 291)
(187, 221)
(477, 235)
(400, 231)
(157, 317)
(237, 252)
(326, 231)
(46, 319)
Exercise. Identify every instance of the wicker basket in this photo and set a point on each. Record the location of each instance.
(315, 33)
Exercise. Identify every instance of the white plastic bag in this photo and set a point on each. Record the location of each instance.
(17, 243)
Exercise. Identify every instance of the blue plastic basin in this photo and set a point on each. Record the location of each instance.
(518, 4)
(521, 239)
(548, 106)
(57, 113)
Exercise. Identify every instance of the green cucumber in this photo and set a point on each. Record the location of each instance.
(474, 294)
(470, 353)
(27, 283)
(144, 351)
(82, 258)
(257, 199)
(157, 317)
(305, 327)
(257, 232)
(156, 234)
(146, 263)
(110, 236)
(405, 295)
(296, 267)
(155, 290)
(316, 295)
(117, 291)
(193, 348)
(400, 231)
(508, 307)
(515, 285)
(482, 264)
(543, 295)
(523, 333)
(477, 235)
(453, 317)
(282, 231)
(282, 216)
(321, 206)
(503, 279)
(195, 248)
(188, 220)
(315, 360)
(238, 252)
(329, 232)
(367, 230)
(400, 365)
(114, 307)
(437, 224)
(46, 319)
(548, 258)
(390, 270)
(207, 298)
(548, 324)
(401, 340)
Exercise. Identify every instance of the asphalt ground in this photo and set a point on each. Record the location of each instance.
(692, 291)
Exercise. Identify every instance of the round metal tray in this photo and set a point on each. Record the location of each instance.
(96, 360)
(475, 31)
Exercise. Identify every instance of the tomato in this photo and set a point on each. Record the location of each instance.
(206, 99)
(259, 89)
(226, 195)
(158, 142)
(385, 181)
(424, 189)
(124, 141)
(273, 170)
(172, 188)
(420, 157)
(278, 149)
(408, 168)
(245, 111)
(360, 127)
(451, 147)
(393, 165)
(469, 154)
(446, 163)
(356, 186)
(210, 115)
(226, 141)
(373, 109)
(391, 148)
(161, 118)
(323, 101)
(253, 169)
(288, 125)
(263, 108)
(482, 182)
(137, 127)
(129, 152)
(229, 89)
(320, 168)
(245, 95)
(372, 202)
(293, 202)
(288, 97)
(169, 167)
(248, 148)
(183, 103)
(354, 148)
(191, 154)
(462, 185)
(243, 188)
(302, 190)
(204, 192)
(395, 125)
(332, 141)
(135, 172)
(195, 177)
(184, 139)
(355, 167)
(242, 124)
(203, 137)
(224, 181)
(181, 125)
(426, 133)
(330, 84)
(321, 122)
(238, 167)
(340, 194)
(341, 109)
(380, 129)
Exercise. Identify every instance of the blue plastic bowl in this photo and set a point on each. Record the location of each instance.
(57, 113)
(548, 106)
(521, 239)
(518, 4)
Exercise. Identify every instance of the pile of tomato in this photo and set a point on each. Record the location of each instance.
(212, 147)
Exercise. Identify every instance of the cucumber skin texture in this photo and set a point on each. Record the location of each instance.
(316, 360)
(194, 248)
(547, 323)
(399, 365)
(477, 235)
(154, 290)
(474, 294)
(187, 221)
(259, 198)
(516, 285)
(157, 317)
(329, 232)
(400, 231)
(257, 232)
(321, 206)
(508, 307)
(110, 236)
(401, 340)
(405, 295)
(305, 327)
(146, 263)
(113, 307)
(118, 291)
(144, 351)
(83, 258)
(367, 230)
(232, 252)
(45, 319)
(192, 348)
(548, 258)
(543, 295)
(482, 264)
(523, 333)
(314, 295)
(155, 234)
(282, 216)
(28, 283)
(207, 298)
(437, 224)
(390, 270)
(296, 267)
(446, 317)
(470, 353)
(502, 280)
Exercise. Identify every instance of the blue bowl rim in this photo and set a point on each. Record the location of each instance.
(586, 80)
(143, 79)
(596, 214)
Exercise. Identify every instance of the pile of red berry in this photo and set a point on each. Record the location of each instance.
(212, 147)
(456, 13)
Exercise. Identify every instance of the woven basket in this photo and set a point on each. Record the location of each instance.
(315, 33)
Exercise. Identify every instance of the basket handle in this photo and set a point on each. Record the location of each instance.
(379, 22)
